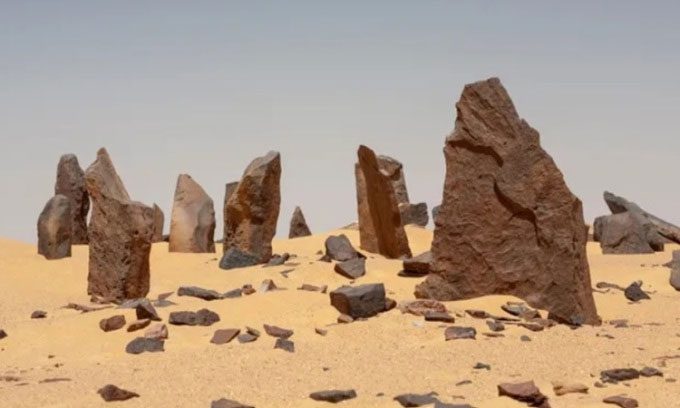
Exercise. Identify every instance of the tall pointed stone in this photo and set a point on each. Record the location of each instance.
(298, 225)
(192, 224)
(380, 226)
(54, 228)
(229, 189)
(158, 223)
(253, 208)
(120, 235)
(71, 183)
(508, 223)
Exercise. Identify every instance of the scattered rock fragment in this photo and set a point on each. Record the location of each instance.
(634, 292)
(435, 316)
(359, 301)
(320, 331)
(526, 392)
(227, 403)
(285, 345)
(458, 332)
(277, 260)
(234, 293)
(145, 310)
(338, 248)
(619, 374)
(235, 258)
(562, 388)
(3, 334)
(112, 393)
(247, 289)
(421, 307)
(495, 325)
(112, 323)
(520, 309)
(195, 291)
(224, 336)
(313, 288)
(333, 396)
(419, 265)
(276, 331)
(352, 269)
(344, 319)
(246, 338)
(267, 286)
(158, 331)
(39, 314)
(621, 401)
(651, 372)
(203, 317)
(416, 400)
(138, 325)
(298, 225)
(524, 338)
(145, 344)
(482, 366)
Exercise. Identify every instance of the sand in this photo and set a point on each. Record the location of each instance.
(386, 355)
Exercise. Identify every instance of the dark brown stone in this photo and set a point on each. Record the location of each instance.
(276, 331)
(621, 401)
(145, 344)
(71, 184)
(418, 265)
(415, 214)
(195, 291)
(359, 301)
(138, 325)
(352, 269)
(508, 223)
(433, 316)
(227, 403)
(634, 292)
(285, 345)
(112, 393)
(54, 228)
(38, 314)
(338, 248)
(145, 310)
(422, 307)
(119, 235)
(380, 227)
(253, 208)
(192, 223)
(333, 396)
(526, 392)
(158, 222)
(112, 323)
(619, 205)
(298, 225)
(615, 375)
(224, 336)
(229, 189)
(203, 317)
(456, 333)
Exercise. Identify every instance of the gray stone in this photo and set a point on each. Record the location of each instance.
(71, 184)
(235, 258)
(145, 344)
(359, 301)
(414, 214)
(333, 396)
(203, 317)
(195, 291)
(298, 225)
(352, 269)
(54, 228)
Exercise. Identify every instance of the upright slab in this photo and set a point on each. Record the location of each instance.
(380, 227)
(158, 223)
(54, 228)
(120, 235)
(71, 183)
(253, 208)
(192, 225)
(298, 225)
(508, 224)
(229, 189)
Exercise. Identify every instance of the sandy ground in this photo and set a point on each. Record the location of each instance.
(391, 354)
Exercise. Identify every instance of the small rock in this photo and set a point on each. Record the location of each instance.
(421, 307)
(285, 344)
(416, 400)
(235, 258)
(248, 289)
(145, 344)
(203, 317)
(525, 338)
(333, 396)
(390, 304)
(478, 314)
(253, 331)
(457, 332)
(276, 331)
(519, 309)
(535, 327)
(312, 288)
(267, 285)
(434, 316)
(38, 314)
(620, 400)
(277, 260)
(246, 338)
(619, 374)
(359, 301)
(338, 248)
(634, 292)
(3, 334)
(112, 393)
(650, 372)
(145, 310)
(197, 292)
(234, 293)
(227, 403)
(418, 265)
(495, 325)
(562, 388)
(157, 331)
(343, 318)
(482, 366)
(607, 285)
(620, 323)
(526, 392)
(494, 335)
(112, 323)
(321, 332)
(224, 336)
(352, 269)
(138, 325)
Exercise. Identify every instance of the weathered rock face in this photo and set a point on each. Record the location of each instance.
(158, 222)
(120, 235)
(192, 224)
(71, 183)
(54, 228)
(298, 225)
(253, 208)
(619, 205)
(414, 214)
(394, 170)
(508, 223)
(380, 227)
(674, 279)
(624, 233)
(229, 189)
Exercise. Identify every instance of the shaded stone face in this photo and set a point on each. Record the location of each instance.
(380, 225)
(623, 233)
(54, 228)
(158, 222)
(619, 205)
(71, 183)
(414, 214)
(508, 224)
(253, 208)
(394, 170)
(192, 224)
(120, 235)
(298, 225)
(229, 189)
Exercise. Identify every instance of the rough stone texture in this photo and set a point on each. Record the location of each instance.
(276, 331)
(394, 170)
(285, 345)
(112, 323)
(203, 317)
(634, 292)
(621, 401)
(119, 235)
(359, 301)
(674, 279)
(192, 224)
(229, 189)
(54, 228)
(298, 225)
(227, 403)
(158, 331)
(253, 208)
(201, 293)
(333, 396)
(145, 344)
(508, 223)
(235, 258)
(71, 183)
(435, 213)
(158, 222)
(338, 248)
(418, 265)
(110, 393)
(526, 392)
(380, 227)
(414, 214)
(619, 205)
(457, 333)
(224, 336)
(627, 233)
(352, 269)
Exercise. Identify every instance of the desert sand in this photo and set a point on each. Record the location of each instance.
(387, 355)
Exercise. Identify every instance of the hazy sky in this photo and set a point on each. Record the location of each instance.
(203, 87)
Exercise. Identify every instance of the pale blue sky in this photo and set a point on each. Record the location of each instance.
(202, 87)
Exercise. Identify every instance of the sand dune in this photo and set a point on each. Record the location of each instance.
(389, 354)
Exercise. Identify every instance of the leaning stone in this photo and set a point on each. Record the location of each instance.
(619, 205)
(112, 323)
(158, 222)
(359, 301)
(333, 396)
(192, 223)
(112, 393)
(145, 344)
(625, 233)
(338, 248)
(54, 228)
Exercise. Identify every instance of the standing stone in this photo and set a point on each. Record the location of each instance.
(380, 226)
(71, 183)
(192, 224)
(508, 223)
(54, 228)
(158, 222)
(253, 208)
(394, 170)
(298, 225)
(119, 235)
(228, 191)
